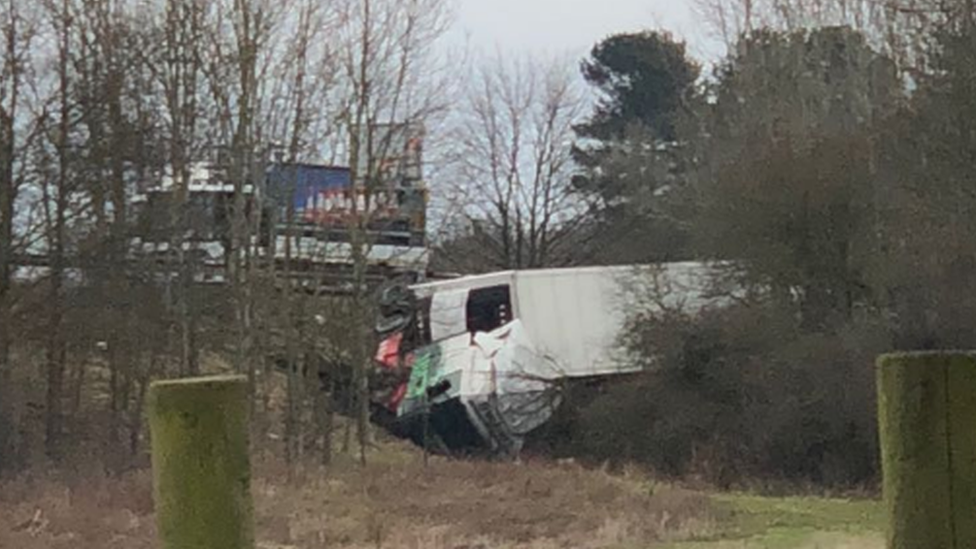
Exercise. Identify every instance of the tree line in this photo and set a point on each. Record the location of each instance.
(102, 99)
(827, 161)
(826, 158)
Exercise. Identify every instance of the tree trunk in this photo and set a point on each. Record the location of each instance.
(115, 408)
(56, 349)
(6, 253)
(293, 408)
(57, 234)
(347, 429)
(136, 418)
(77, 387)
(53, 428)
(189, 366)
(6, 237)
(323, 407)
(6, 427)
(360, 355)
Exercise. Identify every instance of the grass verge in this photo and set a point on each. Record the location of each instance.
(396, 502)
(755, 522)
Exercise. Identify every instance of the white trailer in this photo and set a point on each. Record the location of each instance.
(490, 354)
(575, 316)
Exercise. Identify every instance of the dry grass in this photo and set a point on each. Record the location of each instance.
(82, 513)
(396, 502)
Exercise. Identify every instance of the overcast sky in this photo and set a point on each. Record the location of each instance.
(560, 27)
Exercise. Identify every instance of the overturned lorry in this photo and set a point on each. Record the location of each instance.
(477, 363)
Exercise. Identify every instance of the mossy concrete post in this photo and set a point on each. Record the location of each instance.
(927, 422)
(201, 468)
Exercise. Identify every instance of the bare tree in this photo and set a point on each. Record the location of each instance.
(17, 33)
(514, 165)
(57, 187)
(382, 47)
(292, 122)
(238, 59)
(127, 95)
(108, 75)
(176, 59)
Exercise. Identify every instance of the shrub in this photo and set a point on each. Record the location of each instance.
(742, 394)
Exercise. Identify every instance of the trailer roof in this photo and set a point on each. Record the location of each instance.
(678, 268)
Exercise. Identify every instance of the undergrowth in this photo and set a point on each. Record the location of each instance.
(395, 502)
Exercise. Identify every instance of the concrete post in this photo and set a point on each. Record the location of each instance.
(927, 423)
(201, 468)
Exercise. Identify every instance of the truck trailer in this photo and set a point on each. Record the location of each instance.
(476, 363)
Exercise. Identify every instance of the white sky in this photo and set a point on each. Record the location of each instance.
(571, 27)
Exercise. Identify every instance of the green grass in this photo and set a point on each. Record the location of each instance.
(754, 522)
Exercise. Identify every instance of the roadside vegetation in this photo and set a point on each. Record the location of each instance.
(827, 163)
(396, 502)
